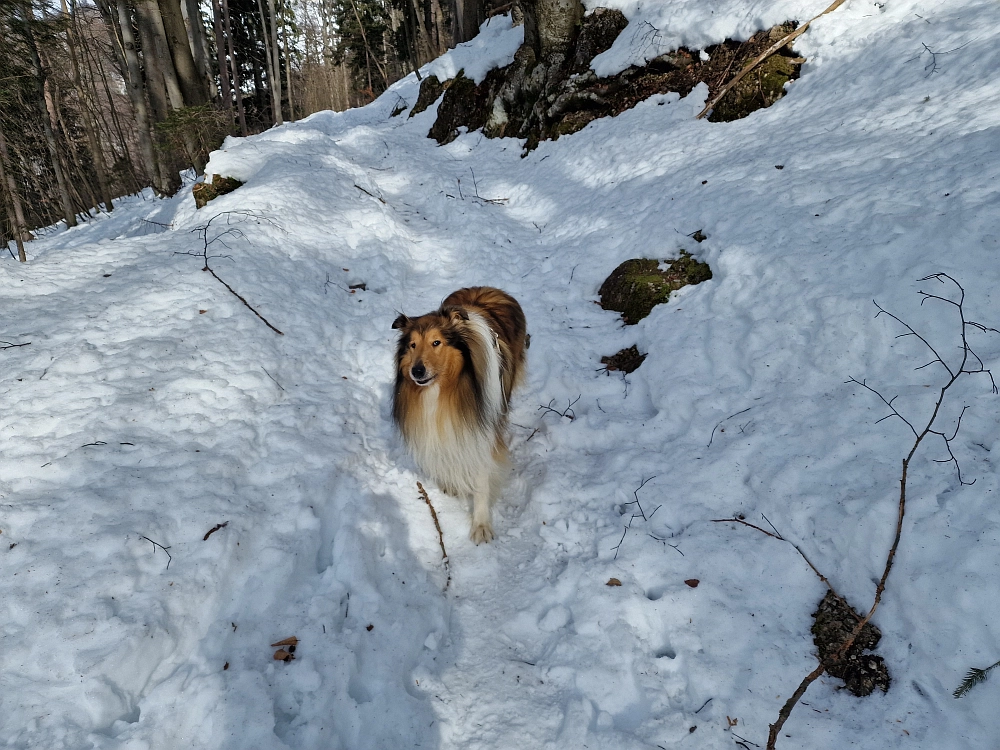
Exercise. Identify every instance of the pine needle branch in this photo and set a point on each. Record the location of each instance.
(973, 678)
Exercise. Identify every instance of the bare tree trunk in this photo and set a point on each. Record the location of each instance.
(153, 52)
(191, 11)
(468, 15)
(81, 187)
(86, 103)
(436, 24)
(346, 83)
(288, 69)
(160, 67)
(236, 70)
(161, 78)
(47, 117)
(272, 74)
(276, 52)
(133, 85)
(156, 88)
(326, 54)
(220, 49)
(551, 26)
(410, 23)
(20, 226)
(109, 16)
(192, 83)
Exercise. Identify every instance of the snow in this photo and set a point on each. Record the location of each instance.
(152, 405)
(493, 47)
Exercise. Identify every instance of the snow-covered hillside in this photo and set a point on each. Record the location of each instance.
(149, 405)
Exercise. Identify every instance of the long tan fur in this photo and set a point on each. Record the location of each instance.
(455, 370)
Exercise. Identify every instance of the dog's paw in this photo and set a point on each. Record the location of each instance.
(481, 532)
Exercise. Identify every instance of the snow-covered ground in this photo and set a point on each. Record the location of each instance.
(152, 405)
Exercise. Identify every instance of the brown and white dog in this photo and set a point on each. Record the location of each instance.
(455, 370)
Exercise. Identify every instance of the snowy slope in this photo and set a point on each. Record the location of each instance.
(152, 405)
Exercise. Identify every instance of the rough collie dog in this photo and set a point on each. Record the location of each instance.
(455, 370)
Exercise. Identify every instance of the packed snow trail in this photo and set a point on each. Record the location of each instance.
(151, 406)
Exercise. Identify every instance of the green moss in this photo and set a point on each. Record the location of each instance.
(204, 192)
(574, 122)
(638, 285)
(760, 88)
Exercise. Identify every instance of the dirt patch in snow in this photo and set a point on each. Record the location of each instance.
(861, 670)
(625, 361)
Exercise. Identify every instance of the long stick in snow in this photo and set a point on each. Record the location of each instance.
(434, 515)
(763, 56)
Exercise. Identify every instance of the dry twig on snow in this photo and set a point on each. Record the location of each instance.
(437, 525)
(969, 364)
(157, 544)
(231, 231)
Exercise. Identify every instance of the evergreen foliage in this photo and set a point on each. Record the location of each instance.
(973, 678)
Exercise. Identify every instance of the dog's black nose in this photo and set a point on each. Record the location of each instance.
(418, 371)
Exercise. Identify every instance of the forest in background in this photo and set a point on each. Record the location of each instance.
(102, 98)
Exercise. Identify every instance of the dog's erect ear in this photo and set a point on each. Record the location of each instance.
(455, 314)
(400, 322)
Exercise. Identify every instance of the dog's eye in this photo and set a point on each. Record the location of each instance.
(413, 345)
(436, 343)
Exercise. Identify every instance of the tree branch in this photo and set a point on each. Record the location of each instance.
(763, 56)
(928, 429)
(205, 229)
(437, 525)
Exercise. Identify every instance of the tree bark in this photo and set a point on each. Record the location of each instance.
(192, 84)
(551, 26)
(20, 226)
(273, 74)
(161, 78)
(47, 118)
(111, 27)
(237, 87)
(151, 70)
(288, 69)
(410, 24)
(220, 49)
(86, 103)
(133, 85)
(468, 15)
(276, 53)
(191, 11)
(161, 71)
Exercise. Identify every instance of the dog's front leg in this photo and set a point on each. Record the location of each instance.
(482, 524)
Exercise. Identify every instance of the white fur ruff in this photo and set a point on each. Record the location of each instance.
(458, 458)
(489, 370)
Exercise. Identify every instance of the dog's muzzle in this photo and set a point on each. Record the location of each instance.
(419, 374)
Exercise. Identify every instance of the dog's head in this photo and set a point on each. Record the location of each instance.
(431, 348)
